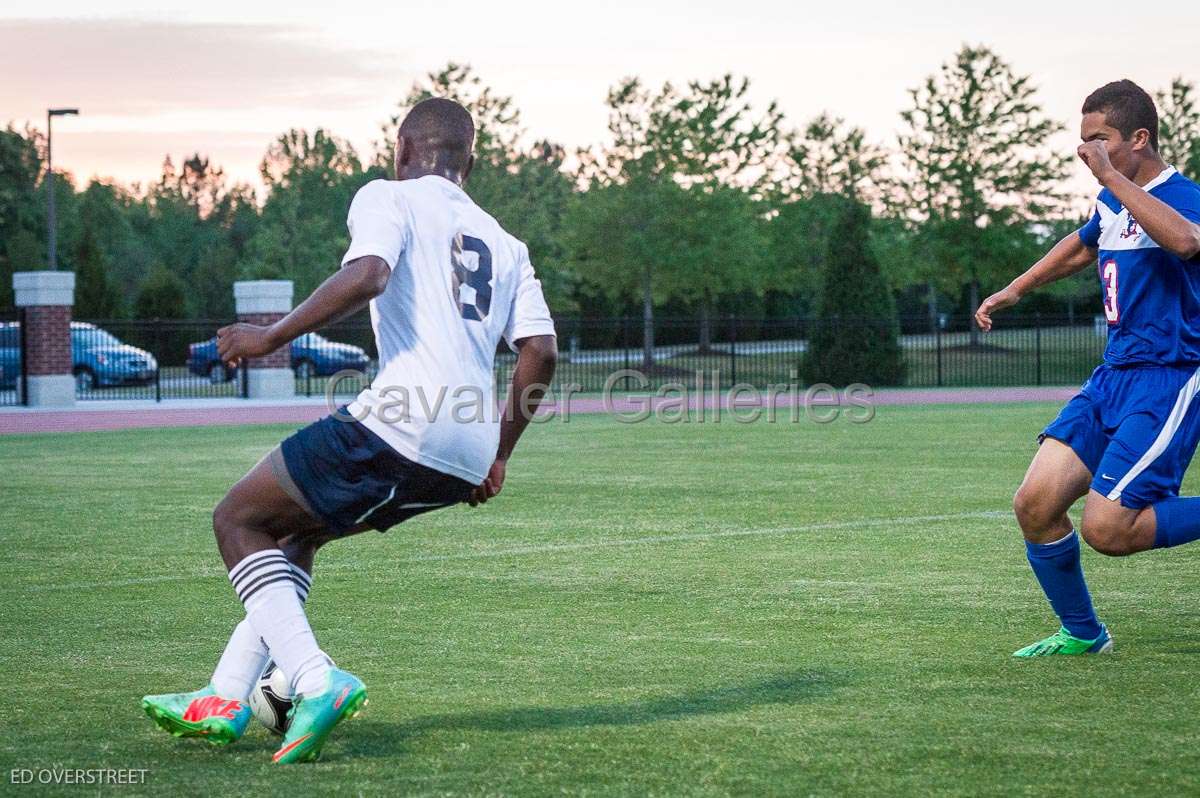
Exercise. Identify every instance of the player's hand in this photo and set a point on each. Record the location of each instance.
(1095, 155)
(491, 486)
(238, 341)
(996, 302)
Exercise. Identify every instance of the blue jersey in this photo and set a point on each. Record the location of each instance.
(1151, 296)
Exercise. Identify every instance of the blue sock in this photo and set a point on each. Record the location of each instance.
(1178, 522)
(1060, 573)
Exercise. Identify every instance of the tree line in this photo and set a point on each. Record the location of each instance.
(698, 203)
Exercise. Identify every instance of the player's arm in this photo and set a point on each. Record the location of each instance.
(536, 359)
(1170, 229)
(346, 292)
(1065, 258)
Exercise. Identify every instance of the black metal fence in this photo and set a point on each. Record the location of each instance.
(763, 352)
(159, 359)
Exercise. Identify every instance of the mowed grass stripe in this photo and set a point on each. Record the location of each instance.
(552, 548)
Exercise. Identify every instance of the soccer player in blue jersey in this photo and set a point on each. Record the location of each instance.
(1127, 438)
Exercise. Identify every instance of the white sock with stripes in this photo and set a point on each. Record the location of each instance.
(245, 656)
(265, 585)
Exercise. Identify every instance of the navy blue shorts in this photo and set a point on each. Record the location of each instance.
(1135, 428)
(348, 476)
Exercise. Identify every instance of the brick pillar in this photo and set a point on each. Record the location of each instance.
(47, 298)
(265, 302)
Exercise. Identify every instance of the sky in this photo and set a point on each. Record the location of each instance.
(223, 78)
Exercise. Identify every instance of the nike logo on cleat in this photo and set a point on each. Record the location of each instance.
(287, 749)
(212, 707)
(340, 699)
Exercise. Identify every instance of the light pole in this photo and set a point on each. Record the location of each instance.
(51, 220)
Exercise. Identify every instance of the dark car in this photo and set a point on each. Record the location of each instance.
(313, 355)
(98, 358)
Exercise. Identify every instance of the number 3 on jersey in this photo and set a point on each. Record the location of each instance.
(1108, 277)
(473, 286)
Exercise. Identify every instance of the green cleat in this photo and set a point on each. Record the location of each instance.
(217, 720)
(313, 717)
(1063, 643)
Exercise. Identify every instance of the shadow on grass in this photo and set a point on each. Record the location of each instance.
(365, 738)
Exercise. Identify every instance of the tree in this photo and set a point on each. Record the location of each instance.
(497, 120)
(723, 250)
(181, 225)
(22, 219)
(236, 219)
(823, 162)
(162, 296)
(615, 232)
(1179, 134)
(707, 140)
(108, 255)
(95, 295)
(830, 157)
(707, 133)
(530, 200)
(797, 243)
(311, 179)
(979, 171)
(856, 338)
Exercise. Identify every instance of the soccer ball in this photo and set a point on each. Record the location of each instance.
(271, 699)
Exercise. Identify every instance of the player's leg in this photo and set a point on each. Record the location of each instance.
(387, 489)
(1056, 479)
(1133, 505)
(250, 524)
(219, 712)
(245, 656)
(1113, 529)
(265, 508)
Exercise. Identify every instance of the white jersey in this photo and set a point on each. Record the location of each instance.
(459, 283)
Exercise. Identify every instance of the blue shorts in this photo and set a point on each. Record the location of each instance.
(348, 477)
(1135, 428)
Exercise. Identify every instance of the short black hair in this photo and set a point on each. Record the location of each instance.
(442, 125)
(1127, 107)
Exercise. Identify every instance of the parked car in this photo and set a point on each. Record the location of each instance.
(98, 358)
(313, 355)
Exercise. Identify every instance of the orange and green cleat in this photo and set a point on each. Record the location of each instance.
(204, 714)
(313, 717)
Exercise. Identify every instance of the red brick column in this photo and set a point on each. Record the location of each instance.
(46, 299)
(47, 340)
(279, 359)
(264, 302)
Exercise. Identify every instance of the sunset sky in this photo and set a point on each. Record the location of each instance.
(223, 78)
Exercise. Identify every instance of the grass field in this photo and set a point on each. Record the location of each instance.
(647, 610)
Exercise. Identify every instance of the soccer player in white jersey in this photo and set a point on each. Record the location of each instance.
(444, 283)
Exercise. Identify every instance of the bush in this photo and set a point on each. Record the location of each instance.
(856, 335)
